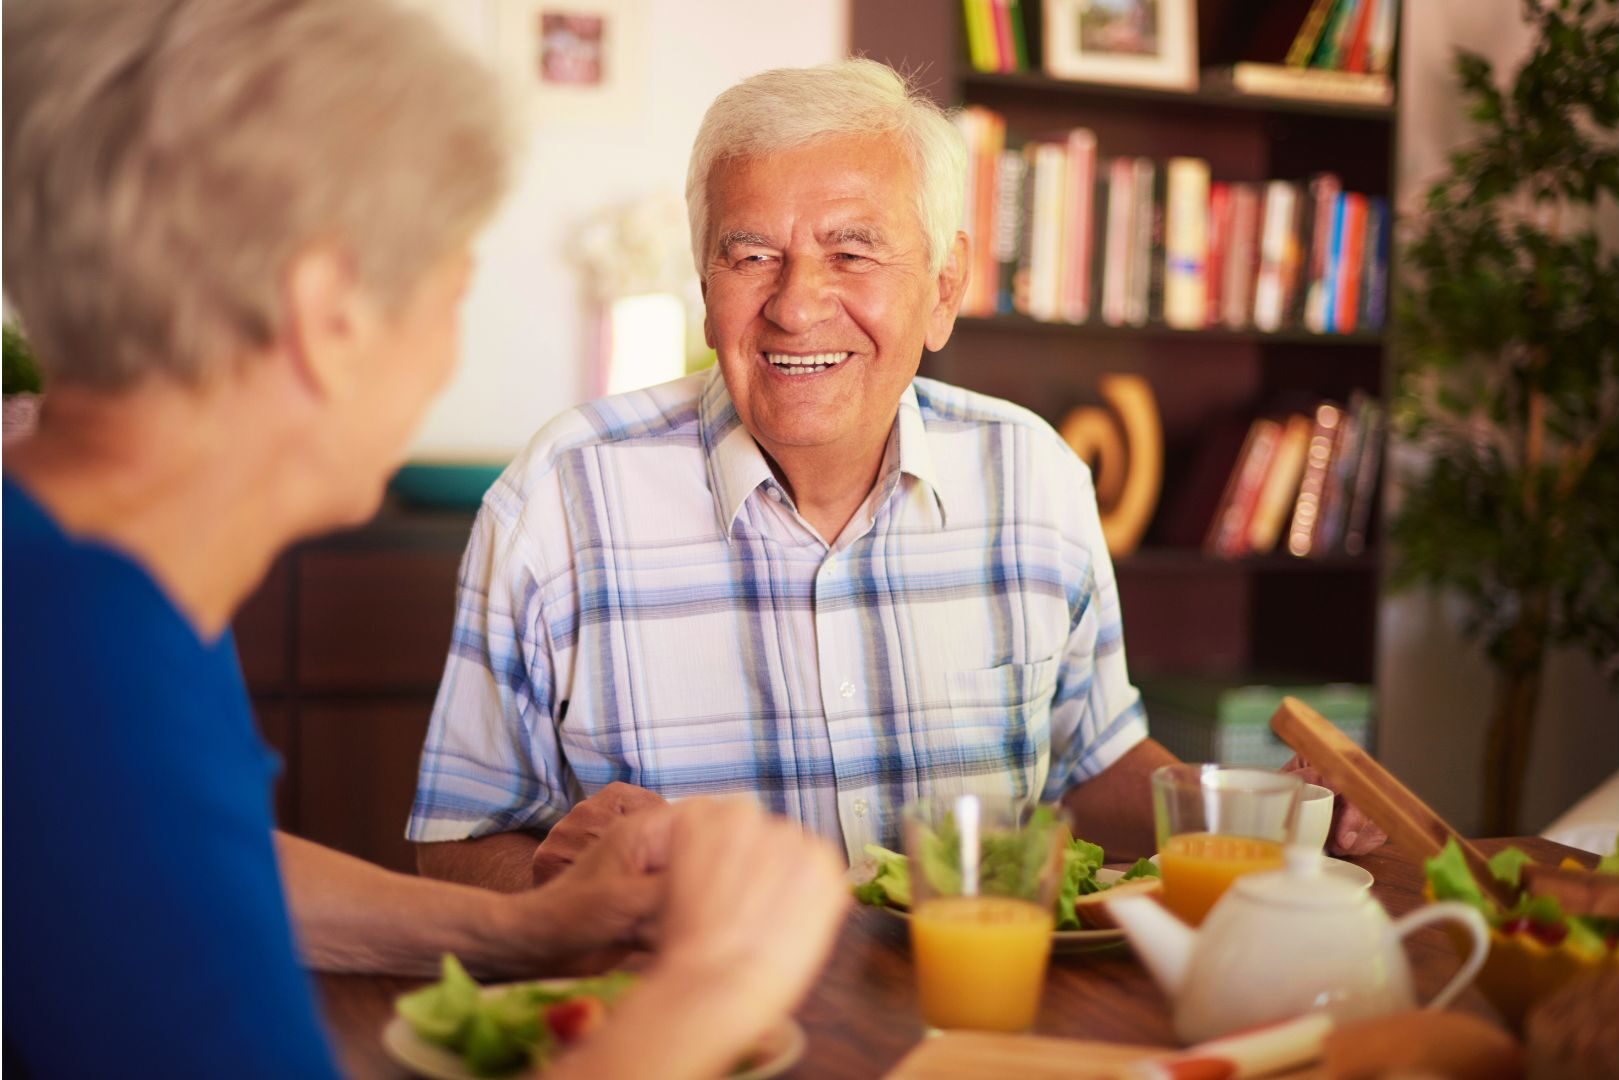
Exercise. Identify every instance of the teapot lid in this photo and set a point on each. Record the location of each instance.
(1301, 882)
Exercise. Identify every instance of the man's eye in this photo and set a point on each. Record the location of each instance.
(850, 257)
(754, 262)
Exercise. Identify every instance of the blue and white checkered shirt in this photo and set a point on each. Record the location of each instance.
(641, 602)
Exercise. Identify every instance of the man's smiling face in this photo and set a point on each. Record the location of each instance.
(819, 296)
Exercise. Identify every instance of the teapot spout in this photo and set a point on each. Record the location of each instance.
(1163, 942)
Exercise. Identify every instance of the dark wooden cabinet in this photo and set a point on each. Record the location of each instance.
(1184, 612)
(342, 647)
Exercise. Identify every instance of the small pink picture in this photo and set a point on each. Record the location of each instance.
(572, 49)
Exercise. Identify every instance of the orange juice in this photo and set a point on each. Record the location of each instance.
(1198, 867)
(980, 961)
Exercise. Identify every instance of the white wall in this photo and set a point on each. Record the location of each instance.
(526, 337)
(1434, 688)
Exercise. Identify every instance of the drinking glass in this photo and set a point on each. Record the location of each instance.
(984, 878)
(1215, 824)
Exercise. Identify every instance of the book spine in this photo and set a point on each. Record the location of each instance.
(1079, 226)
(1115, 276)
(1009, 175)
(1281, 486)
(1324, 189)
(1364, 495)
(1329, 532)
(1302, 533)
(1236, 291)
(1022, 272)
(1020, 37)
(1157, 258)
(1355, 57)
(1272, 251)
(1377, 262)
(1138, 269)
(1380, 50)
(1001, 23)
(1348, 307)
(1298, 54)
(1329, 54)
(1335, 258)
(1186, 243)
(980, 35)
(1047, 231)
(1300, 290)
(1231, 540)
(1219, 241)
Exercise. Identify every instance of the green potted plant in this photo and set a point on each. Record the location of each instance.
(21, 383)
(1507, 375)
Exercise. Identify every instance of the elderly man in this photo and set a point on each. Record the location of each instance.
(808, 575)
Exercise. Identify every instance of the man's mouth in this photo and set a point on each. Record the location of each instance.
(791, 364)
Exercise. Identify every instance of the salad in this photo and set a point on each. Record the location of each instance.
(519, 1028)
(1009, 865)
(1539, 917)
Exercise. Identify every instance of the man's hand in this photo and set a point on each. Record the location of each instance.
(1353, 833)
(585, 824)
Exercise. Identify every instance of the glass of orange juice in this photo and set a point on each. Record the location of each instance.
(984, 877)
(1215, 824)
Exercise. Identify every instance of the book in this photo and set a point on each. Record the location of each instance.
(980, 35)
(1277, 221)
(1047, 230)
(1329, 50)
(1363, 495)
(1023, 267)
(1329, 529)
(1281, 485)
(1138, 268)
(1303, 47)
(1334, 267)
(1011, 170)
(1324, 189)
(1302, 532)
(1242, 250)
(1079, 197)
(1101, 210)
(1186, 243)
(1001, 21)
(1314, 84)
(1355, 56)
(1346, 311)
(1219, 241)
(1228, 531)
(1157, 257)
(987, 171)
(1375, 283)
(1116, 258)
(1380, 47)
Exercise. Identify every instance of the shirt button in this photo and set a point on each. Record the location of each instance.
(774, 494)
(847, 689)
(860, 808)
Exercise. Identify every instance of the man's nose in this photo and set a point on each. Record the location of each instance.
(804, 297)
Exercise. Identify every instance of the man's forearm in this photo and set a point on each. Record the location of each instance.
(351, 916)
(1114, 809)
(503, 862)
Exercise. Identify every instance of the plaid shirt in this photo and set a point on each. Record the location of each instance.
(641, 602)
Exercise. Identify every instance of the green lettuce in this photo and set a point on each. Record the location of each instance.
(1507, 865)
(441, 1013)
(891, 884)
(1450, 879)
(1142, 868)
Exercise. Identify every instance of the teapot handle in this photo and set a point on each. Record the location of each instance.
(1471, 921)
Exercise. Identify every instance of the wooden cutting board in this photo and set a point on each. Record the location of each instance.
(958, 1055)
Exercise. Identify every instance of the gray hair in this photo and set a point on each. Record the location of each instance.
(165, 160)
(792, 107)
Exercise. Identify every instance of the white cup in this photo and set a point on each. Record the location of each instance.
(1315, 817)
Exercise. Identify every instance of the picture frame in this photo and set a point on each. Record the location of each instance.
(1127, 42)
(576, 63)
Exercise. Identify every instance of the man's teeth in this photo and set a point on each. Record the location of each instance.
(804, 365)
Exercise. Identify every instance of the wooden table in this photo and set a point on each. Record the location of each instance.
(862, 1015)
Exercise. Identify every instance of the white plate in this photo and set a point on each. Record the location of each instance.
(1065, 941)
(777, 1052)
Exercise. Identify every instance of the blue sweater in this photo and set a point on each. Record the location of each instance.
(145, 929)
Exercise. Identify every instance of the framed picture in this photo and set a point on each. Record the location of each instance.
(576, 62)
(1139, 42)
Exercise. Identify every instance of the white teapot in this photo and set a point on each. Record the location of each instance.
(1284, 943)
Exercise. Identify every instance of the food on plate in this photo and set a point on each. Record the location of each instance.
(517, 1028)
(1004, 858)
(1539, 915)
(1092, 907)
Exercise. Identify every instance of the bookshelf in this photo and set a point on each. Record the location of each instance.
(1186, 612)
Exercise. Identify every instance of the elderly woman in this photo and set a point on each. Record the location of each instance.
(238, 233)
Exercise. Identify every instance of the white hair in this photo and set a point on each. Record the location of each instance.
(166, 159)
(792, 107)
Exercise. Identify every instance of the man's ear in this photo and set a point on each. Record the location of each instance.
(326, 319)
(952, 287)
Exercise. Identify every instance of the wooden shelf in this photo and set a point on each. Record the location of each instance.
(1205, 97)
(1097, 329)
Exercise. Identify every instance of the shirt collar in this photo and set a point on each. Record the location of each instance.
(736, 465)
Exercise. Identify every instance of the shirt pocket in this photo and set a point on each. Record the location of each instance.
(999, 729)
